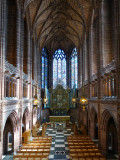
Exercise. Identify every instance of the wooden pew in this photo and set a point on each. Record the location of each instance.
(41, 141)
(26, 136)
(34, 147)
(38, 144)
(89, 157)
(38, 149)
(41, 137)
(30, 157)
(83, 148)
(33, 152)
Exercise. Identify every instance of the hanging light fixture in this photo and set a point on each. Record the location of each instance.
(74, 100)
(35, 102)
(35, 99)
(74, 97)
(83, 102)
(45, 99)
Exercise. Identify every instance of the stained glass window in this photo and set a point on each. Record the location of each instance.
(74, 68)
(59, 67)
(44, 68)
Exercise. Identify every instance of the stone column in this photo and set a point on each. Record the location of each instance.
(20, 50)
(2, 62)
(93, 54)
(86, 59)
(50, 70)
(80, 67)
(98, 74)
(88, 71)
(39, 77)
(101, 30)
(68, 80)
(107, 28)
(30, 72)
(117, 59)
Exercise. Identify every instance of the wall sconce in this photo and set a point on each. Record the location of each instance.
(45, 100)
(35, 102)
(83, 102)
(74, 100)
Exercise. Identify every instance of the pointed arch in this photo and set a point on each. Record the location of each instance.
(106, 115)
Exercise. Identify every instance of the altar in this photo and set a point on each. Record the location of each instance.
(59, 118)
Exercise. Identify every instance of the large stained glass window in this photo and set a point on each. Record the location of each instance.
(74, 68)
(44, 68)
(59, 67)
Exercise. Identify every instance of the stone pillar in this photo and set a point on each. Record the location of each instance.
(93, 48)
(2, 62)
(102, 143)
(29, 65)
(20, 50)
(101, 31)
(80, 67)
(68, 79)
(50, 70)
(98, 74)
(85, 59)
(39, 77)
(117, 59)
(107, 31)
(88, 64)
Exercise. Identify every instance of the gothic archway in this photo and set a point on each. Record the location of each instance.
(112, 138)
(109, 141)
(25, 120)
(94, 124)
(8, 134)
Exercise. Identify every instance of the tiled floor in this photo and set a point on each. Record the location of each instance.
(9, 157)
(59, 147)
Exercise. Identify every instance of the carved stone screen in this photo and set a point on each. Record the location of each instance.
(59, 98)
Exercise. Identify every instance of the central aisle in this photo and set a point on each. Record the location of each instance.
(59, 147)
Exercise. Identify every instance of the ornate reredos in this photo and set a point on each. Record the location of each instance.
(59, 97)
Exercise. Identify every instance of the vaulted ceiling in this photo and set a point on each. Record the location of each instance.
(59, 23)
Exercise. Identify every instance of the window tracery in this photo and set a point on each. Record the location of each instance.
(74, 68)
(44, 68)
(59, 67)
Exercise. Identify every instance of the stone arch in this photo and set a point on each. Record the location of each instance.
(25, 120)
(112, 136)
(109, 139)
(11, 126)
(106, 115)
(94, 123)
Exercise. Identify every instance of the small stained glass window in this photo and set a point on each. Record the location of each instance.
(74, 68)
(44, 68)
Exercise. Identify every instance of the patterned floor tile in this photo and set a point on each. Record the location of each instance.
(59, 147)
